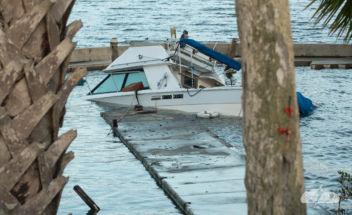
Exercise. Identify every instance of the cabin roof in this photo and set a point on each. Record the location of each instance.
(138, 57)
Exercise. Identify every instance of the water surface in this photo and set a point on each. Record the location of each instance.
(205, 20)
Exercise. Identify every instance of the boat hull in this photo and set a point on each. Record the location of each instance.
(224, 100)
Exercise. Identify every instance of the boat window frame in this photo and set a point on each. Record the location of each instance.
(195, 80)
(127, 72)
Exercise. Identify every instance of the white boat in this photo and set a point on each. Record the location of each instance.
(179, 80)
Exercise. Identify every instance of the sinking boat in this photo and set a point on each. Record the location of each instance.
(181, 79)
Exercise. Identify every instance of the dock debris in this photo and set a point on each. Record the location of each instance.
(86, 198)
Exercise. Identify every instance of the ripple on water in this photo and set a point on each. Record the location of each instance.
(204, 21)
(328, 129)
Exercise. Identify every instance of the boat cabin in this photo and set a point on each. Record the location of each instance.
(154, 69)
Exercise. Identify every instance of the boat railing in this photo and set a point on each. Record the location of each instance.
(173, 44)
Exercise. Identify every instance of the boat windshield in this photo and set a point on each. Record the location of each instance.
(116, 82)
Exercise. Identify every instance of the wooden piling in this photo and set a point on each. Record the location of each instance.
(233, 47)
(173, 32)
(114, 44)
(114, 123)
(86, 198)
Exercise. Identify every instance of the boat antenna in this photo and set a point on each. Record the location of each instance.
(220, 37)
(221, 33)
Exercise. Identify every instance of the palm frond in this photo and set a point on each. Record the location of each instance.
(337, 11)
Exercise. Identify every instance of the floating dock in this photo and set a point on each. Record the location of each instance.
(198, 170)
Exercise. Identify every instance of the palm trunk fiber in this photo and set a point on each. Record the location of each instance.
(274, 168)
(35, 46)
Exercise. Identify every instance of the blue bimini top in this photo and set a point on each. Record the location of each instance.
(213, 54)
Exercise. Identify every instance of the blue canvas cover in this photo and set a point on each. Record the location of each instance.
(305, 105)
(213, 54)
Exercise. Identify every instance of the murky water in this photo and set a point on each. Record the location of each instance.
(113, 177)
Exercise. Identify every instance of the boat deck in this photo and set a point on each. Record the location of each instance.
(199, 171)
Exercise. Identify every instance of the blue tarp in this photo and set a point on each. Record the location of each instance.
(213, 54)
(305, 105)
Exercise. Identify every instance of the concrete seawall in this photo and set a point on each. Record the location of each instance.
(100, 57)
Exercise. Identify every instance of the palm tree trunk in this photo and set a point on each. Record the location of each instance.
(274, 167)
(35, 46)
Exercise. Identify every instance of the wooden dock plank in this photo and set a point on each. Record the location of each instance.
(194, 167)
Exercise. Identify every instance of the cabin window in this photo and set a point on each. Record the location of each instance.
(156, 97)
(115, 82)
(118, 80)
(136, 77)
(167, 96)
(110, 83)
(178, 96)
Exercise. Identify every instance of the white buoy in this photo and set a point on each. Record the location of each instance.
(208, 114)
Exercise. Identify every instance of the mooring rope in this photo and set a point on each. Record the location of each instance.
(195, 93)
(126, 111)
(123, 115)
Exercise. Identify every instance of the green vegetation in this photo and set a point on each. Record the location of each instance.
(155, 163)
(345, 191)
(340, 11)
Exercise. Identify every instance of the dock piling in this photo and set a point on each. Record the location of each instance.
(114, 44)
(114, 123)
(232, 52)
(173, 32)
